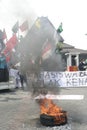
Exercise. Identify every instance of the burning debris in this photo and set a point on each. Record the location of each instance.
(51, 114)
(48, 117)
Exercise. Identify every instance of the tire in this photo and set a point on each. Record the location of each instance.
(47, 120)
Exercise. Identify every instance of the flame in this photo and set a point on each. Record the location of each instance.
(49, 108)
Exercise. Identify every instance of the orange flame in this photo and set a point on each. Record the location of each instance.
(49, 108)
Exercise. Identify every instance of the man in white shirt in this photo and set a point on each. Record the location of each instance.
(13, 72)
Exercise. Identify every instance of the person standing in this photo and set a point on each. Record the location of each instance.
(4, 73)
(23, 79)
(13, 71)
(82, 65)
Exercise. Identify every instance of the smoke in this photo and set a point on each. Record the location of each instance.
(22, 10)
(16, 10)
(32, 44)
(31, 47)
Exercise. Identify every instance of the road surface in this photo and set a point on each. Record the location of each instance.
(19, 111)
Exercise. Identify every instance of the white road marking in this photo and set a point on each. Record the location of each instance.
(61, 97)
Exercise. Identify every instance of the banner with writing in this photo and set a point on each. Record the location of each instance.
(66, 79)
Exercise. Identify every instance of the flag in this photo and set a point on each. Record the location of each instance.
(60, 29)
(24, 26)
(8, 57)
(4, 35)
(37, 23)
(46, 50)
(1, 34)
(2, 45)
(11, 43)
(15, 27)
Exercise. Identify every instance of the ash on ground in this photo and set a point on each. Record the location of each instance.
(34, 124)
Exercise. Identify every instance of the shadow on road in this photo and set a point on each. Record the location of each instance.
(5, 91)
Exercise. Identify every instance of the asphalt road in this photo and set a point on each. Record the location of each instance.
(19, 111)
(76, 109)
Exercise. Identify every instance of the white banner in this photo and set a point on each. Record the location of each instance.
(66, 79)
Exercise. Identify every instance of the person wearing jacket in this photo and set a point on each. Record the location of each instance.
(82, 65)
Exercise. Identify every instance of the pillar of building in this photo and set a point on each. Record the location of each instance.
(68, 60)
(77, 59)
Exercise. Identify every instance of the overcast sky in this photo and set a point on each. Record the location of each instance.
(72, 13)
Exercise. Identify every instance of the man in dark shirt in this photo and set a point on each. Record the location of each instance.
(82, 66)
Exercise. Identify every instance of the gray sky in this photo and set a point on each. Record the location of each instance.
(72, 13)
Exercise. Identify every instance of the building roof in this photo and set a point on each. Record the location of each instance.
(71, 49)
(67, 46)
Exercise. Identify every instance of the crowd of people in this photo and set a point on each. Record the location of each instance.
(20, 79)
